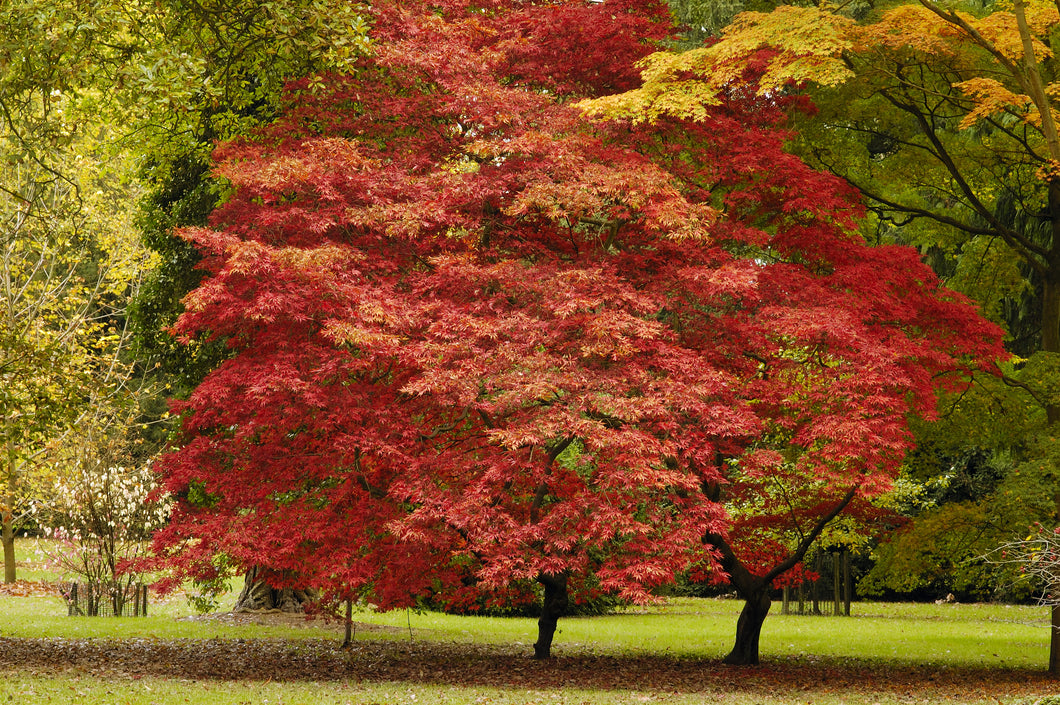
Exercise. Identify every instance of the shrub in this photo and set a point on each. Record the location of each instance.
(103, 517)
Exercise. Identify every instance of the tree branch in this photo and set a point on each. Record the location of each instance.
(811, 536)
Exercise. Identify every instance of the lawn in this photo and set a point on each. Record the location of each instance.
(885, 653)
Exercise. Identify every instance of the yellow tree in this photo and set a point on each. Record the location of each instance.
(69, 257)
(69, 261)
(94, 99)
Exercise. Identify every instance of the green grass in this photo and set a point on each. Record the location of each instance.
(980, 635)
(152, 692)
(32, 559)
(992, 636)
(687, 633)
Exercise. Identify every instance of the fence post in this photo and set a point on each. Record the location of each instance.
(847, 590)
(837, 595)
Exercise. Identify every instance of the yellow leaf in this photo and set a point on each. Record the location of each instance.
(990, 97)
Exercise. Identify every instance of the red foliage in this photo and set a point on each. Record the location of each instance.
(468, 328)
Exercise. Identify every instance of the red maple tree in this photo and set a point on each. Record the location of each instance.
(471, 331)
(835, 342)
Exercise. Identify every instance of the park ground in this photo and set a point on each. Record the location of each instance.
(885, 653)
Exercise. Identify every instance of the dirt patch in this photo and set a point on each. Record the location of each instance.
(29, 588)
(472, 665)
(293, 620)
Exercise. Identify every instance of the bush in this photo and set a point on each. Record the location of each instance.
(102, 517)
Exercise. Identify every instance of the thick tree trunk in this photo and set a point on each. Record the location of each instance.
(749, 629)
(258, 595)
(553, 607)
(754, 589)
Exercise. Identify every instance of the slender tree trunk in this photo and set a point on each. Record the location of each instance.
(749, 628)
(1054, 641)
(348, 641)
(786, 604)
(1051, 343)
(1051, 323)
(553, 607)
(7, 515)
(1034, 82)
(9, 544)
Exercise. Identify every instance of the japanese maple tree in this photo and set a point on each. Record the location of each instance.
(835, 344)
(434, 345)
(469, 328)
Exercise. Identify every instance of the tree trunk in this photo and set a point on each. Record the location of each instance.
(786, 604)
(258, 595)
(749, 629)
(348, 641)
(7, 517)
(1051, 343)
(553, 607)
(1054, 640)
(1051, 296)
(754, 589)
(9, 547)
(1051, 317)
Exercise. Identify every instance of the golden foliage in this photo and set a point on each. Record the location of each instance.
(991, 97)
(809, 43)
(912, 27)
(673, 85)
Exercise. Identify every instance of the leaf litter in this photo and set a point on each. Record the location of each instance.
(503, 666)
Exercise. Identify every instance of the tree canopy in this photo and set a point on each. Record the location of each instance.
(942, 116)
(471, 329)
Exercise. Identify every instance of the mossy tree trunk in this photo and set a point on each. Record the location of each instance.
(258, 595)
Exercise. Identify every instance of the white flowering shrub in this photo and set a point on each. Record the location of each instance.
(103, 517)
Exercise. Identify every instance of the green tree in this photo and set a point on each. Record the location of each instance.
(221, 69)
